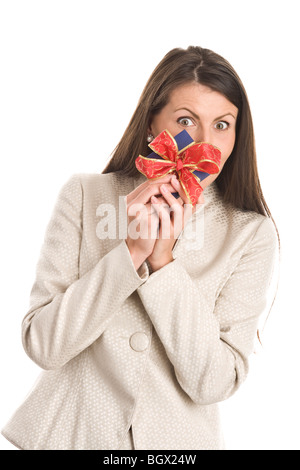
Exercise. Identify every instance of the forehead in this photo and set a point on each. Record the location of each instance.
(200, 97)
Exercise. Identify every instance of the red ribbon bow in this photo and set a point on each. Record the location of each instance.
(200, 156)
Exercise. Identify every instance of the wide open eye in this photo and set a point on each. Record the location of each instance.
(221, 125)
(186, 122)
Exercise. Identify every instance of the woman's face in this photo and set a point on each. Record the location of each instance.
(206, 115)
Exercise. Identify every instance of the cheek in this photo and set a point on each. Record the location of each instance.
(161, 125)
(227, 148)
(161, 122)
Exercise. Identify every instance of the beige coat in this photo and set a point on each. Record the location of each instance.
(155, 351)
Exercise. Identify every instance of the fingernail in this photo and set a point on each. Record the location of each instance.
(163, 188)
(176, 182)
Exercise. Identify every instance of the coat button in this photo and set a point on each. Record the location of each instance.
(139, 341)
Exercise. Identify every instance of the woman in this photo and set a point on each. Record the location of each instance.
(140, 338)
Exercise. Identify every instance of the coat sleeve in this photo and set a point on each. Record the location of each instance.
(207, 341)
(68, 313)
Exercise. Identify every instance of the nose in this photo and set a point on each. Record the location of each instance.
(203, 134)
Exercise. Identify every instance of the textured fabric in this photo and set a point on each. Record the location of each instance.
(153, 350)
(128, 443)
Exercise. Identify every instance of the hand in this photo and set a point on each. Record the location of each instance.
(143, 221)
(172, 222)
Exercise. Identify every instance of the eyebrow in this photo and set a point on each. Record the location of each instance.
(197, 117)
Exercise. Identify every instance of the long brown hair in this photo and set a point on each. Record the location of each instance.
(238, 181)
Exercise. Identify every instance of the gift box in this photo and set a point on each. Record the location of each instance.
(191, 162)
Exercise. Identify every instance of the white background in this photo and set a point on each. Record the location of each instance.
(71, 75)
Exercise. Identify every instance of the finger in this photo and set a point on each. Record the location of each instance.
(178, 199)
(171, 200)
(160, 200)
(153, 220)
(166, 230)
(146, 189)
(182, 211)
(151, 210)
(177, 213)
(172, 219)
(176, 184)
